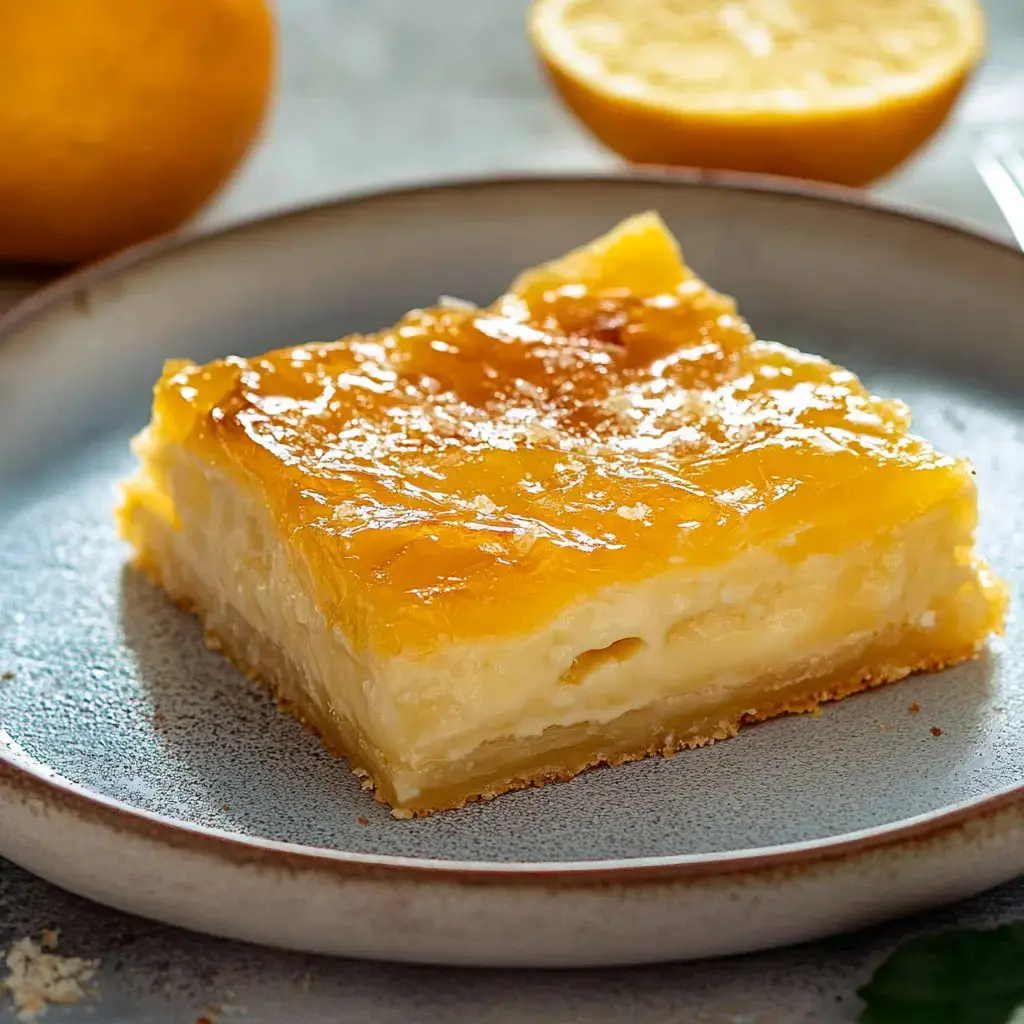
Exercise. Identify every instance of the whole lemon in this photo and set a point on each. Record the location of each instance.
(120, 118)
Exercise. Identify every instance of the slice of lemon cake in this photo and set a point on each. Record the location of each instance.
(596, 520)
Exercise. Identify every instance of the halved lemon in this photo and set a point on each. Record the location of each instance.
(833, 90)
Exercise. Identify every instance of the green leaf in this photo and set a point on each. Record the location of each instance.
(986, 1011)
(965, 976)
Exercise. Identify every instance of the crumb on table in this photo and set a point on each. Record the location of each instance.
(37, 978)
(915, 708)
(936, 731)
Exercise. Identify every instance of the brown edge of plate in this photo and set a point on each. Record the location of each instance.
(31, 784)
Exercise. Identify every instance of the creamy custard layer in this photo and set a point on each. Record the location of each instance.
(597, 519)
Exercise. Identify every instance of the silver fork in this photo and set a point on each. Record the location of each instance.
(1001, 166)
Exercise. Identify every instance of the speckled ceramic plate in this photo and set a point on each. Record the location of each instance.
(138, 768)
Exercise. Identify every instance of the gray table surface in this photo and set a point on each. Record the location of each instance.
(373, 94)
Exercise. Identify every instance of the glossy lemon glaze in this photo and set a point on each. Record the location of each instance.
(471, 472)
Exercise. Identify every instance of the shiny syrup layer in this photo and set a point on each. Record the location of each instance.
(471, 472)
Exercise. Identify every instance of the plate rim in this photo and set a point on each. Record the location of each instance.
(30, 780)
(69, 282)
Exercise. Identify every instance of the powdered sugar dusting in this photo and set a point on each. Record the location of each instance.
(484, 505)
(638, 512)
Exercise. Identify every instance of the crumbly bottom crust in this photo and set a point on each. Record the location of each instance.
(560, 753)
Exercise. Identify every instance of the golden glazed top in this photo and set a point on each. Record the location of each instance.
(470, 472)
